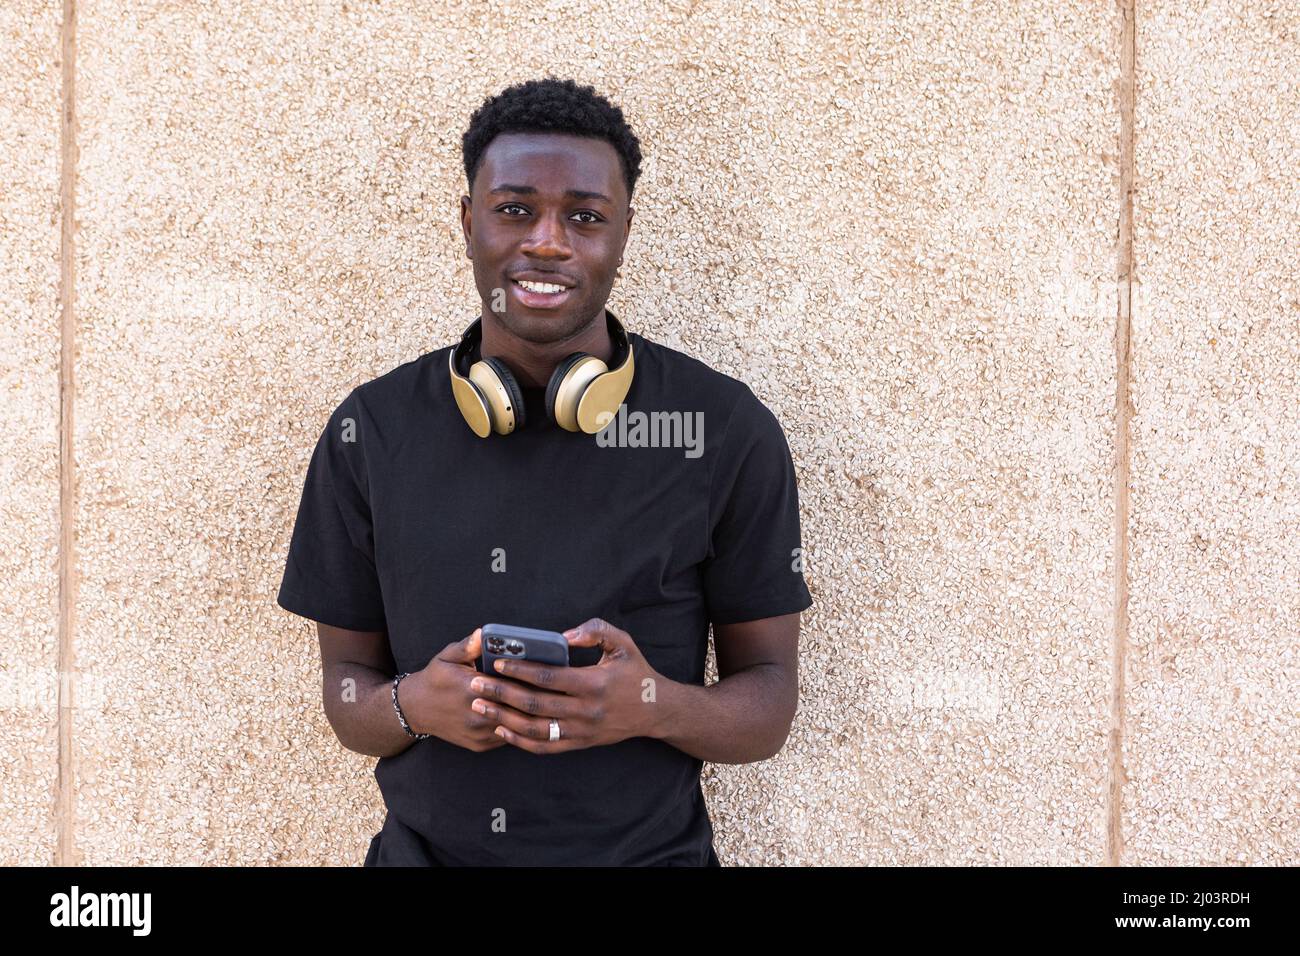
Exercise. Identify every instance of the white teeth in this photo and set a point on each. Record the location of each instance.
(540, 286)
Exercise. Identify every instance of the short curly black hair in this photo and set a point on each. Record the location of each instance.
(551, 105)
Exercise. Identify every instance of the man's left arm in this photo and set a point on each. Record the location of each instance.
(746, 715)
(749, 579)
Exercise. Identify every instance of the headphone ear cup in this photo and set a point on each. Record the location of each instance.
(512, 389)
(553, 387)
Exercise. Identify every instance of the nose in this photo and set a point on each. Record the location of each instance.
(547, 238)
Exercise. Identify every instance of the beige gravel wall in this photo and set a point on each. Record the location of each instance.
(1213, 748)
(29, 416)
(905, 228)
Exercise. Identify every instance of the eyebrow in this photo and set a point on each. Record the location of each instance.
(531, 190)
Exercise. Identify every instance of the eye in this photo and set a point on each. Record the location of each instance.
(583, 212)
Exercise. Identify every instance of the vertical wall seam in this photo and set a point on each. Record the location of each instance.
(64, 852)
(1116, 777)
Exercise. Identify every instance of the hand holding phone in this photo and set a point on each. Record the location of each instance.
(436, 699)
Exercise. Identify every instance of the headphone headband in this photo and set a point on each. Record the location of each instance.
(474, 334)
(582, 395)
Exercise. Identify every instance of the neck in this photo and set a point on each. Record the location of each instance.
(533, 362)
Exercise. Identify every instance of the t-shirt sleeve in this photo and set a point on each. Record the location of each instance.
(330, 573)
(754, 567)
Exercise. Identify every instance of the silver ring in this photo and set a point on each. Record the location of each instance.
(555, 729)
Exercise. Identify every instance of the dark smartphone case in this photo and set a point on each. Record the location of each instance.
(544, 647)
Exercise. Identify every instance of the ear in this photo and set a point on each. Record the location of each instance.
(466, 223)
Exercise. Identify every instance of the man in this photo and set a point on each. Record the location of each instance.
(433, 506)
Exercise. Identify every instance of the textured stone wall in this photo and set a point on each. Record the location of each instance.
(1046, 440)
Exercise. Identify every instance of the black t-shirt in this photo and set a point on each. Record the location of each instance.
(412, 524)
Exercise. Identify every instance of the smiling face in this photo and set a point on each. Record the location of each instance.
(552, 208)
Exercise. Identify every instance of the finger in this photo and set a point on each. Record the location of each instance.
(524, 698)
(535, 746)
(464, 651)
(489, 713)
(573, 681)
(536, 729)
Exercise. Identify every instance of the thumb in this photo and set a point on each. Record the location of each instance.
(596, 633)
(586, 634)
(464, 651)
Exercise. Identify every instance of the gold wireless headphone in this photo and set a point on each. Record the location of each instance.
(582, 388)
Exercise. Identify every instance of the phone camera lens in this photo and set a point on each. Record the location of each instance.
(514, 647)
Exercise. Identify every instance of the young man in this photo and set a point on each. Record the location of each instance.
(551, 471)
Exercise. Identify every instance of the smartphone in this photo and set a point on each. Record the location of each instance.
(531, 644)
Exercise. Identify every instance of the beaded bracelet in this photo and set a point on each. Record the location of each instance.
(405, 726)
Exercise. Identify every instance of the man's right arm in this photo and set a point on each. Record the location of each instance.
(357, 670)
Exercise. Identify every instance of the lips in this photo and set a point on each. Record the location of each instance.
(554, 278)
(538, 300)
